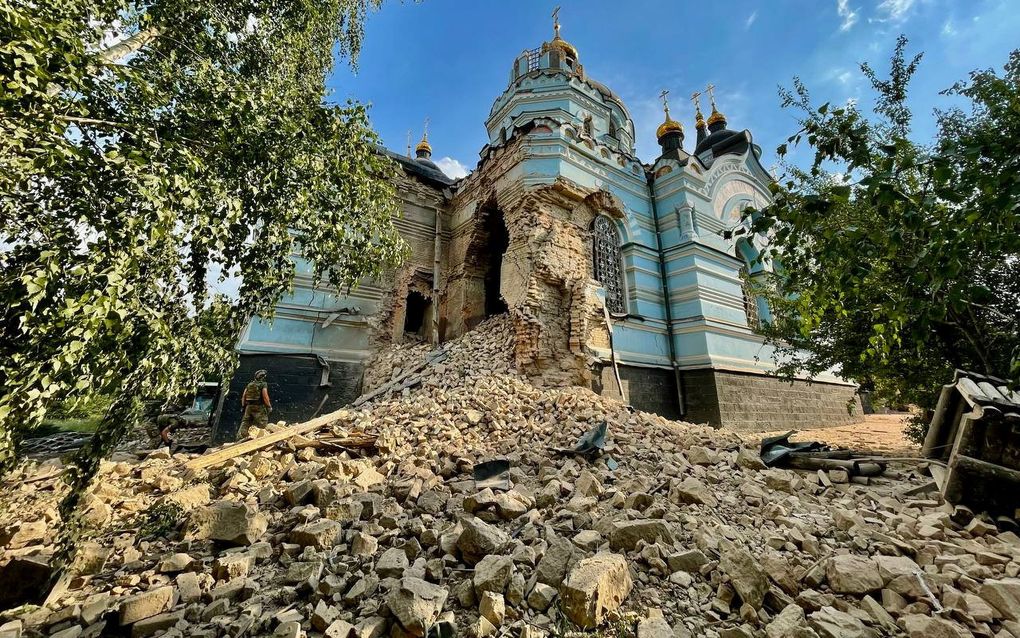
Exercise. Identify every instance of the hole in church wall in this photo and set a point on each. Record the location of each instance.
(499, 239)
(417, 310)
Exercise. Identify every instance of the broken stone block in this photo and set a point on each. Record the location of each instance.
(654, 626)
(230, 522)
(692, 491)
(889, 567)
(587, 539)
(493, 574)
(558, 558)
(790, 623)
(232, 566)
(924, 626)
(147, 604)
(829, 622)
(416, 604)
(699, 455)
(323, 616)
(595, 587)
(156, 624)
(541, 596)
(320, 534)
(689, 561)
(492, 608)
(1003, 595)
(339, 629)
(852, 574)
(746, 575)
(749, 459)
(364, 544)
(392, 563)
(175, 563)
(479, 539)
(627, 534)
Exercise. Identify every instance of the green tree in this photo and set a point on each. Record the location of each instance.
(146, 148)
(899, 261)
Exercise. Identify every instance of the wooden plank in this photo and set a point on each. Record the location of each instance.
(251, 445)
(939, 474)
(932, 440)
(398, 383)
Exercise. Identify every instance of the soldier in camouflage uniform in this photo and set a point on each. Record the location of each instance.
(256, 405)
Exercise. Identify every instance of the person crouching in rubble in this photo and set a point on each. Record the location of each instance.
(256, 404)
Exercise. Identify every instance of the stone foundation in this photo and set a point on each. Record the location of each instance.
(757, 403)
(648, 389)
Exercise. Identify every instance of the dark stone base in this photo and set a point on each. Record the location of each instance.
(649, 389)
(733, 400)
(757, 403)
(299, 387)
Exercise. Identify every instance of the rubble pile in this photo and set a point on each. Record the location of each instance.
(674, 530)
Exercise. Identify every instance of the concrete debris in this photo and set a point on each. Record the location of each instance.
(687, 536)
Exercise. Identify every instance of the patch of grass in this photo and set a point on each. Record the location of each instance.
(85, 425)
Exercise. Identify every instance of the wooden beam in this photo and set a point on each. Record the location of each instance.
(251, 445)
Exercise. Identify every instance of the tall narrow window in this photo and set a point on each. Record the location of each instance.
(750, 301)
(606, 262)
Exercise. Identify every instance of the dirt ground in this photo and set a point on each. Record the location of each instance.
(878, 434)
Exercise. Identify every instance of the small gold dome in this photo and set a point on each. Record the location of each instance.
(423, 145)
(561, 45)
(715, 117)
(667, 127)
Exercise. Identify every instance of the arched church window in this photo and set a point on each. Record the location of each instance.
(502, 135)
(589, 126)
(606, 262)
(612, 128)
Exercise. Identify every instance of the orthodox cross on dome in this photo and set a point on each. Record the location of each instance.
(711, 94)
(665, 101)
(696, 98)
(425, 130)
(409, 142)
(556, 21)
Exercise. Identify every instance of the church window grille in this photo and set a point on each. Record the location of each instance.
(606, 261)
(750, 300)
(534, 58)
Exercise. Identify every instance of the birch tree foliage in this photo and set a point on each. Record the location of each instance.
(149, 147)
(900, 261)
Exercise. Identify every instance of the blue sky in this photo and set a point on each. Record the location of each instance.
(449, 59)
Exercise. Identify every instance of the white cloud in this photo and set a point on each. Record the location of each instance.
(949, 29)
(452, 168)
(896, 10)
(848, 15)
(750, 19)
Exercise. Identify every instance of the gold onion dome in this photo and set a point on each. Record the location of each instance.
(561, 45)
(667, 127)
(423, 145)
(716, 117)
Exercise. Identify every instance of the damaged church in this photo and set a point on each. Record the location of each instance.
(594, 255)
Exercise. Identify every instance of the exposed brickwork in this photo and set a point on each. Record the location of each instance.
(755, 403)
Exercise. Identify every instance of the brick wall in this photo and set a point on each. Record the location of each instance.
(755, 403)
